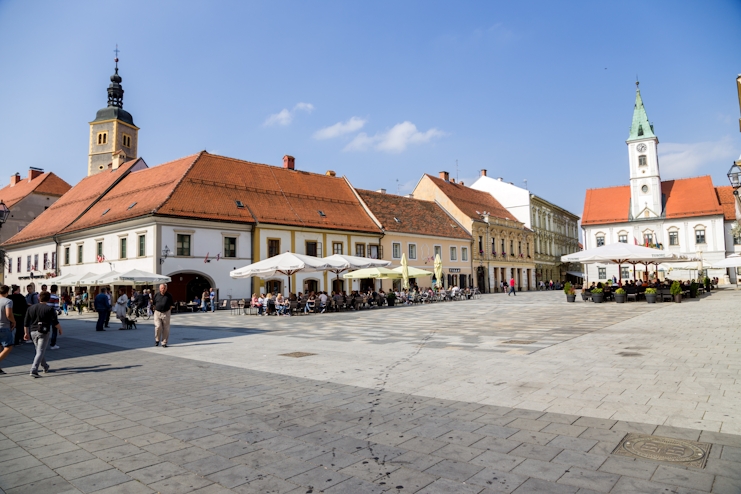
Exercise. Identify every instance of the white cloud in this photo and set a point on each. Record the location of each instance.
(340, 128)
(394, 140)
(285, 116)
(682, 160)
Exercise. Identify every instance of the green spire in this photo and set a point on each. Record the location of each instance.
(640, 129)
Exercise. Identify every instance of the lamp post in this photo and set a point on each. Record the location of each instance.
(4, 213)
(165, 253)
(734, 176)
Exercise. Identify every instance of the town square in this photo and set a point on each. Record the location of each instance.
(425, 247)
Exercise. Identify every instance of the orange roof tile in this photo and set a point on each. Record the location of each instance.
(683, 198)
(727, 201)
(47, 183)
(415, 215)
(471, 201)
(71, 205)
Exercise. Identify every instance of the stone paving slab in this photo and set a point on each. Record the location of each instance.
(117, 418)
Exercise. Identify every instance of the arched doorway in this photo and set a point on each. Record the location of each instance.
(338, 285)
(185, 286)
(273, 286)
(311, 286)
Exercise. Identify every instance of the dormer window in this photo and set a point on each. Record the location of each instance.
(642, 160)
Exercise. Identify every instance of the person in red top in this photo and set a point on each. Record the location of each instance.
(512, 287)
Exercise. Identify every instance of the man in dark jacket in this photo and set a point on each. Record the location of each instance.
(19, 311)
(39, 321)
(103, 307)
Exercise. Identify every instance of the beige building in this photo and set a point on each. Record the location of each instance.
(502, 245)
(420, 229)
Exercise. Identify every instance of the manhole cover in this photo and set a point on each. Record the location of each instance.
(519, 342)
(666, 449)
(297, 354)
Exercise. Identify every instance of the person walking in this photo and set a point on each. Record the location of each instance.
(102, 306)
(54, 304)
(121, 306)
(39, 321)
(19, 311)
(7, 323)
(31, 296)
(512, 287)
(204, 297)
(212, 298)
(162, 306)
(108, 294)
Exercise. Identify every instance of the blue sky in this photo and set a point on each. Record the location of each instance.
(381, 92)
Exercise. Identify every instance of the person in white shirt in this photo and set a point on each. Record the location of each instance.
(323, 301)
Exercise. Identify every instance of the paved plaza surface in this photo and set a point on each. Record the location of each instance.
(500, 394)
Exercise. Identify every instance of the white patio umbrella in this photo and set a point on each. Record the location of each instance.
(287, 264)
(414, 272)
(65, 280)
(438, 271)
(134, 277)
(621, 253)
(732, 261)
(87, 279)
(340, 263)
(377, 273)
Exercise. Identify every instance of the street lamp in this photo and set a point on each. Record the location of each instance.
(734, 176)
(165, 253)
(4, 213)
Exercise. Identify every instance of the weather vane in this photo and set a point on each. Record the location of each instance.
(116, 52)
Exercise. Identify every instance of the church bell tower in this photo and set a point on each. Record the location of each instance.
(646, 200)
(113, 130)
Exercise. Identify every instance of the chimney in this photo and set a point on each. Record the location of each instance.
(331, 173)
(118, 159)
(452, 180)
(445, 176)
(34, 172)
(461, 183)
(381, 191)
(499, 178)
(483, 172)
(14, 179)
(289, 162)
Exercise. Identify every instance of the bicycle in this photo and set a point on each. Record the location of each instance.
(142, 312)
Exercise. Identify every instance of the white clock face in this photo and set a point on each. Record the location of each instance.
(641, 148)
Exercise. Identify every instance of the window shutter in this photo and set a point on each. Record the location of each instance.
(380, 251)
(319, 249)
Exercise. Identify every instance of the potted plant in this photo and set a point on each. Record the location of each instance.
(651, 295)
(391, 298)
(620, 295)
(570, 292)
(676, 291)
(585, 294)
(597, 295)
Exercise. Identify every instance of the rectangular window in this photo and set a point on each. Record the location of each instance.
(699, 236)
(600, 241)
(35, 262)
(18, 265)
(438, 252)
(642, 160)
(360, 250)
(673, 238)
(311, 249)
(481, 245)
(737, 240)
(122, 247)
(648, 238)
(412, 251)
(230, 246)
(512, 247)
(519, 248)
(46, 261)
(464, 254)
(623, 239)
(66, 256)
(99, 249)
(625, 272)
(396, 250)
(453, 254)
(10, 265)
(273, 247)
(602, 273)
(182, 245)
(54, 260)
(504, 249)
(374, 251)
(337, 248)
(142, 245)
(79, 254)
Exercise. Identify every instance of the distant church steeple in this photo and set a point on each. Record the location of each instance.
(646, 199)
(113, 130)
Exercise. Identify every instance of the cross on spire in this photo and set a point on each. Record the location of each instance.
(116, 52)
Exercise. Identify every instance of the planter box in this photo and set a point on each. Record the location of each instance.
(651, 298)
(598, 297)
(678, 298)
(571, 298)
(620, 298)
(585, 296)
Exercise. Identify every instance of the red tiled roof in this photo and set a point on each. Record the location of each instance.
(47, 183)
(684, 198)
(469, 200)
(415, 215)
(71, 205)
(727, 201)
(206, 186)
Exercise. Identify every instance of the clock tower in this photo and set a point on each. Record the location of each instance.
(646, 200)
(113, 131)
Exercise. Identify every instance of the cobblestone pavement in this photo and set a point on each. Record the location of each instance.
(220, 410)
